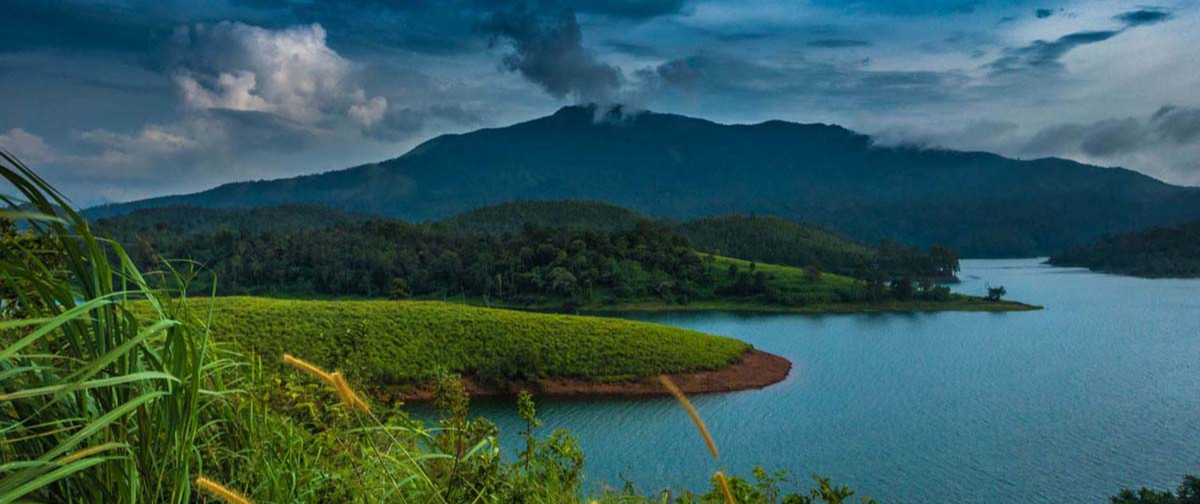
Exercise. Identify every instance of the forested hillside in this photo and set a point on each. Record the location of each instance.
(594, 254)
(679, 167)
(539, 267)
(1159, 252)
(780, 241)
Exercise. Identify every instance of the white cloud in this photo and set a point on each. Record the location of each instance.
(26, 146)
(369, 112)
(151, 141)
(232, 91)
(290, 72)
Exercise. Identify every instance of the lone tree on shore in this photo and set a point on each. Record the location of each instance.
(995, 293)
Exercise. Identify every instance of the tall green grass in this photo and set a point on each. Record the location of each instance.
(96, 404)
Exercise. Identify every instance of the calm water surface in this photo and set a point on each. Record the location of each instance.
(1099, 391)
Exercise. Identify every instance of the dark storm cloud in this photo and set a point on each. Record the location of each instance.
(435, 26)
(548, 50)
(632, 48)
(1168, 127)
(1041, 55)
(40, 24)
(633, 9)
(675, 73)
(849, 85)
(741, 36)
(1143, 17)
(1045, 55)
(907, 7)
(401, 123)
(251, 130)
(838, 43)
(1043, 13)
(1180, 125)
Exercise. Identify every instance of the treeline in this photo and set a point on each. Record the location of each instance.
(534, 266)
(1159, 252)
(397, 259)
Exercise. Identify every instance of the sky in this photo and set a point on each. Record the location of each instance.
(116, 100)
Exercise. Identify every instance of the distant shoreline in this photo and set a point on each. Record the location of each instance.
(756, 370)
(963, 305)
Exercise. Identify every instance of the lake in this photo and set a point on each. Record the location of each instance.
(1098, 391)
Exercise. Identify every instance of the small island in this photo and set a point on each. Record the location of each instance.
(1161, 252)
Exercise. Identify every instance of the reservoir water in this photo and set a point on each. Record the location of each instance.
(1098, 391)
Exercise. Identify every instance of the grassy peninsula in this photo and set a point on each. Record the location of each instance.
(408, 343)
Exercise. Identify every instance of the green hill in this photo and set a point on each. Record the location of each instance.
(680, 167)
(408, 342)
(1160, 252)
(776, 240)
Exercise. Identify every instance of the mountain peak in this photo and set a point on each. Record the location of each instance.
(669, 165)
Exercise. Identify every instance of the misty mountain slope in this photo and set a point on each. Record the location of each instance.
(180, 219)
(514, 215)
(679, 167)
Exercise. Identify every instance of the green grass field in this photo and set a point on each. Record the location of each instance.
(405, 342)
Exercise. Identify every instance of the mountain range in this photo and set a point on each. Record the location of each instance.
(680, 167)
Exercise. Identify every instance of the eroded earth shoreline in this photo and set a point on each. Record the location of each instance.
(756, 370)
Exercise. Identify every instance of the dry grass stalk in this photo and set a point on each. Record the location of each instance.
(347, 394)
(334, 379)
(308, 368)
(725, 488)
(217, 490)
(687, 405)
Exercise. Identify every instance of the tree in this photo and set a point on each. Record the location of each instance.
(902, 289)
(945, 260)
(875, 287)
(27, 248)
(562, 281)
(1188, 493)
(812, 272)
(995, 293)
(399, 289)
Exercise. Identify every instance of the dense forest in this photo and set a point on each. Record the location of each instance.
(536, 265)
(1159, 252)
